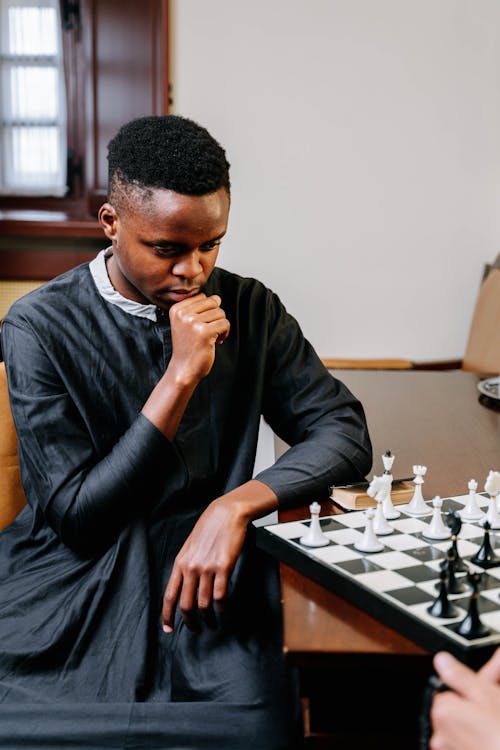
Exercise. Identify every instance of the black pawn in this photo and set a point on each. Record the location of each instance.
(471, 626)
(454, 522)
(454, 585)
(442, 607)
(485, 556)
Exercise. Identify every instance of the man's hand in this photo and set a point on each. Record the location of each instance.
(202, 569)
(198, 324)
(466, 717)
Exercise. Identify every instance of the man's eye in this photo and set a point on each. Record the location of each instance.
(207, 246)
(164, 250)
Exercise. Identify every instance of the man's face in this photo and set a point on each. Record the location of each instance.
(165, 248)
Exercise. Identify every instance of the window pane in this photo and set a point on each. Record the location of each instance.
(34, 93)
(35, 153)
(35, 157)
(32, 31)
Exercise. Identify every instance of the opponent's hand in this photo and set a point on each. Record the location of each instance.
(467, 716)
(197, 324)
(204, 564)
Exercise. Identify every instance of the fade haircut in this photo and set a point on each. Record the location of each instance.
(165, 151)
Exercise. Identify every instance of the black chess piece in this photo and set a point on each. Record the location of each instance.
(454, 522)
(485, 557)
(471, 626)
(442, 607)
(454, 585)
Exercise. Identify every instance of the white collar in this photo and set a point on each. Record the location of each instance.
(99, 273)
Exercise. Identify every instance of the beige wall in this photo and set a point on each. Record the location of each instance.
(364, 137)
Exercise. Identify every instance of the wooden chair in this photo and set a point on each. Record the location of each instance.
(482, 353)
(12, 498)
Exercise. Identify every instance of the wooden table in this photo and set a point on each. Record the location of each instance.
(360, 680)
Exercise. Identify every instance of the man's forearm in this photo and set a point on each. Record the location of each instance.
(167, 403)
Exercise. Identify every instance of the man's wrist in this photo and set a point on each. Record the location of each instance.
(180, 379)
(251, 500)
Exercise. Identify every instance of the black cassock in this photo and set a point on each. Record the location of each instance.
(84, 662)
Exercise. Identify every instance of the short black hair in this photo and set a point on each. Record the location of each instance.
(169, 152)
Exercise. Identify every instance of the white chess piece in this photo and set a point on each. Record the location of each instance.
(381, 526)
(472, 511)
(492, 487)
(314, 537)
(377, 489)
(369, 541)
(417, 505)
(437, 529)
(390, 511)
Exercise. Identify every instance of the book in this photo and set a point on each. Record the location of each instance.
(355, 498)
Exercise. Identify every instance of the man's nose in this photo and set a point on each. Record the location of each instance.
(188, 265)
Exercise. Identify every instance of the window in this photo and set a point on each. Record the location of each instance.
(32, 99)
(89, 66)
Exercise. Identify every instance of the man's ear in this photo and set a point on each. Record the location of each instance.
(108, 219)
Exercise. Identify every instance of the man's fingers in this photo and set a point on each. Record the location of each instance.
(218, 329)
(205, 599)
(220, 590)
(491, 670)
(170, 600)
(217, 313)
(454, 674)
(205, 592)
(206, 310)
(223, 336)
(199, 303)
(445, 707)
(186, 588)
(187, 601)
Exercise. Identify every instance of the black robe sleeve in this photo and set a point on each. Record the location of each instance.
(86, 498)
(311, 411)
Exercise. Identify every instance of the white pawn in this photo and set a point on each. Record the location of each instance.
(437, 529)
(472, 511)
(417, 505)
(314, 537)
(369, 541)
(492, 487)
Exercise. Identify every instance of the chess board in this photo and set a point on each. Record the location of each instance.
(397, 585)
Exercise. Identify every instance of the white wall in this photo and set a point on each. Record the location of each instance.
(364, 138)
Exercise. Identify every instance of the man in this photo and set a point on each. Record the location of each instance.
(133, 589)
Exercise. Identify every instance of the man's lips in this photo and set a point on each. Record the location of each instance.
(179, 293)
